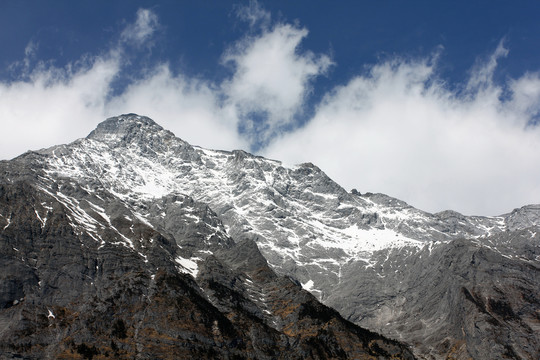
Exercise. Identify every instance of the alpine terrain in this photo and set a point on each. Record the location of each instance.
(131, 243)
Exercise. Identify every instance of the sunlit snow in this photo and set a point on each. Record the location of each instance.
(292, 213)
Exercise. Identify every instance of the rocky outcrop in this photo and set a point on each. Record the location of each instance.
(458, 300)
(89, 275)
(446, 284)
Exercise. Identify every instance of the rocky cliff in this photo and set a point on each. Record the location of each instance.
(448, 285)
(92, 271)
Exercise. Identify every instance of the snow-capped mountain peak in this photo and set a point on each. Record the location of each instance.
(125, 128)
(298, 216)
(369, 255)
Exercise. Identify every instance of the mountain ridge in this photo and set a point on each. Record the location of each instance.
(335, 243)
(94, 273)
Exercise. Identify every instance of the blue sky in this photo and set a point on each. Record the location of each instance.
(433, 102)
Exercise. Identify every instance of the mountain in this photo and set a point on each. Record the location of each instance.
(450, 286)
(95, 266)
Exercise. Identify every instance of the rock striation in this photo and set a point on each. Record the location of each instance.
(133, 212)
(93, 268)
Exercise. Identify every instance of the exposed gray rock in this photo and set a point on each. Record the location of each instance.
(523, 217)
(89, 272)
(445, 283)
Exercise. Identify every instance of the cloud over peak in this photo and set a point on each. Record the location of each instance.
(272, 79)
(396, 128)
(402, 132)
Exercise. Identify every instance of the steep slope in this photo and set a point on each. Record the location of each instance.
(439, 282)
(461, 299)
(298, 217)
(88, 272)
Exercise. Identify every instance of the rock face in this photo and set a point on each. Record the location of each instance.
(131, 198)
(94, 269)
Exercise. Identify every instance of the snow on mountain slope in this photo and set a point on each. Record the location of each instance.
(87, 273)
(298, 216)
(379, 261)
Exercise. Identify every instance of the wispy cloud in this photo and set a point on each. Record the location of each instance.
(400, 131)
(271, 80)
(53, 105)
(254, 14)
(190, 107)
(29, 53)
(140, 32)
(481, 77)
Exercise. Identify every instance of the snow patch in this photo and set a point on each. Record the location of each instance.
(308, 286)
(42, 221)
(188, 266)
(8, 223)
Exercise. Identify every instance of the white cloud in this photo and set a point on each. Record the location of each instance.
(272, 79)
(53, 106)
(29, 53)
(189, 107)
(140, 32)
(399, 131)
(396, 129)
(481, 77)
(525, 102)
(254, 14)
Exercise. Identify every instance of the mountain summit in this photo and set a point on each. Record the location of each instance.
(134, 130)
(133, 213)
(103, 256)
(124, 127)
